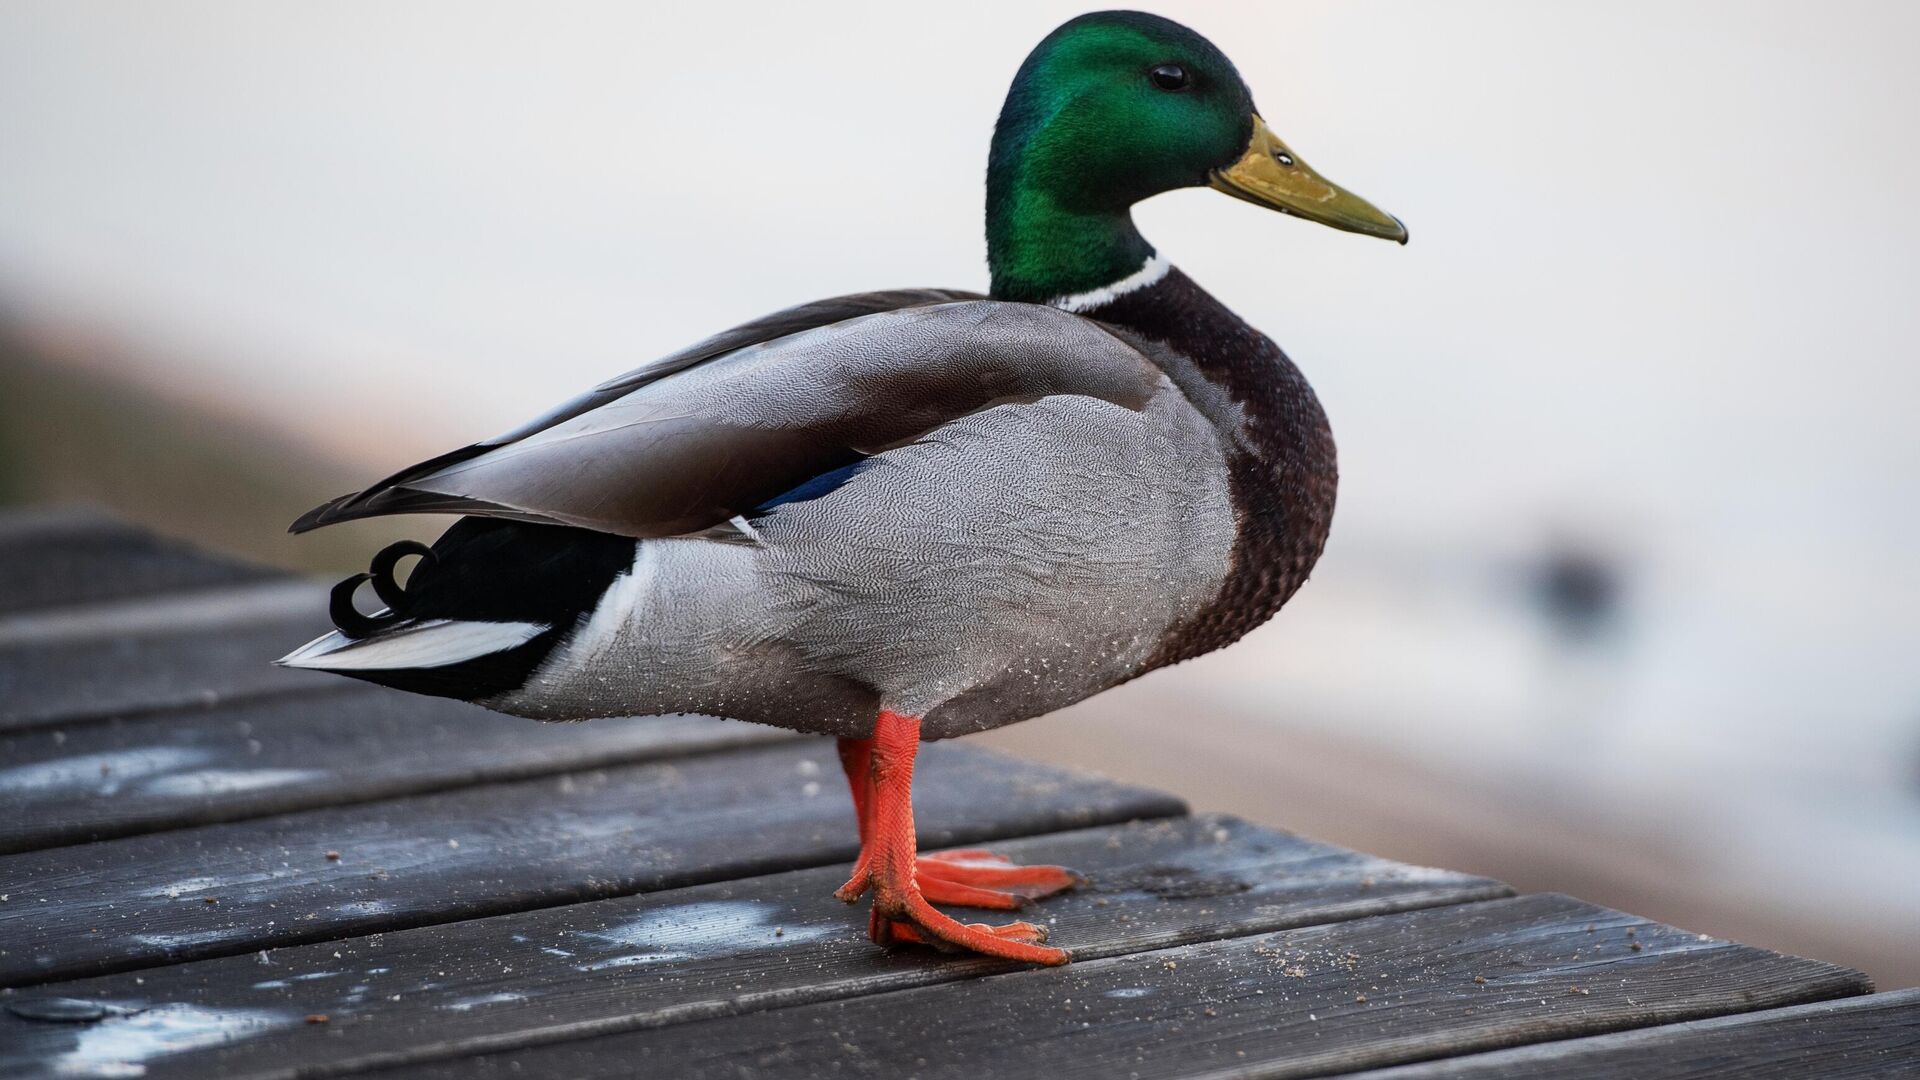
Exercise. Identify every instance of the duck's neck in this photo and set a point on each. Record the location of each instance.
(1040, 252)
(1049, 235)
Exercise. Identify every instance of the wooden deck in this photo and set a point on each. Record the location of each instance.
(211, 867)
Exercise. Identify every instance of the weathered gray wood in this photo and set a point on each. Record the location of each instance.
(221, 890)
(1309, 1002)
(711, 950)
(191, 650)
(50, 558)
(103, 780)
(1863, 1038)
(115, 648)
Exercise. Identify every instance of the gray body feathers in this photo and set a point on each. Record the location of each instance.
(1037, 505)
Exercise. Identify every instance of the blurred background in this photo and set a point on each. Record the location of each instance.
(1622, 598)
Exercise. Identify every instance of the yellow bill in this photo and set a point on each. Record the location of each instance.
(1273, 176)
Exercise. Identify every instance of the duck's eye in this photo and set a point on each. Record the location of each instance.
(1169, 77)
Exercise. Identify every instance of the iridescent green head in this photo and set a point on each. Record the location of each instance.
(1110, 109)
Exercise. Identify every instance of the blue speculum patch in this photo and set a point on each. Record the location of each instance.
(824, 484)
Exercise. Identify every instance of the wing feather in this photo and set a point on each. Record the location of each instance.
(708, 434)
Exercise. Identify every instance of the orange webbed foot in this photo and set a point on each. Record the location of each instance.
(974, 877)
(971, 878)
(917, 923)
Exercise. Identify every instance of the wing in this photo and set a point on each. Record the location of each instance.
(389, 494)
(700, 437)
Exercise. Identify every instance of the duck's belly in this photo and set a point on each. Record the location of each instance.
(1014, 562)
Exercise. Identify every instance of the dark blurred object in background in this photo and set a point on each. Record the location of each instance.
(1579, 589)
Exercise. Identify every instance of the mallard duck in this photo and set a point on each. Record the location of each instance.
(913, 514)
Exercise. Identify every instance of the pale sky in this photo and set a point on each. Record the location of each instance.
(1661, 286)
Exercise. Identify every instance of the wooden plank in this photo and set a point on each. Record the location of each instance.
(712, 950)
(1863, 1038)
(50, 558)
(221, 890)
(100, 781)
(1309, 1002)
(185, 650)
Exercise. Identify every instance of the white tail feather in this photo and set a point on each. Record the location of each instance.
(430, 644)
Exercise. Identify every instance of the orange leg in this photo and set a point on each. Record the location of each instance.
(880, 773)
(856, 759)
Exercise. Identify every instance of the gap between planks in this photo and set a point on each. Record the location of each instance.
(85, 663)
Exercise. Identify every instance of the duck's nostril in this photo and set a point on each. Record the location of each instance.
(1283, 158)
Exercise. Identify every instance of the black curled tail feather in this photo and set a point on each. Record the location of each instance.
(384, 586)
(348, 619)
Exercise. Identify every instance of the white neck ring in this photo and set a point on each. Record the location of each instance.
(1152, 270)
